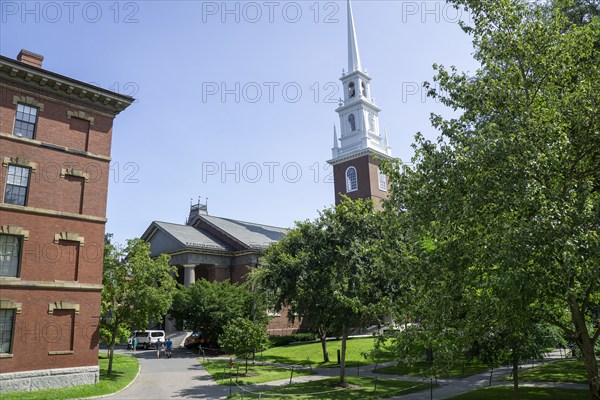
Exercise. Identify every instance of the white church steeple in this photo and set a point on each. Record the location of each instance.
(353, 54)
(361, 144)
(359, 116)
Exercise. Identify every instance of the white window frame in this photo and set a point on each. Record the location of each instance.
(382, 179)
(350, 185)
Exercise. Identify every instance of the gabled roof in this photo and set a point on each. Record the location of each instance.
(189, 236)
(255, 236)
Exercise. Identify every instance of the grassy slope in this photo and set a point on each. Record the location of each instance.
(326, 389)
(528, 393)
(302, 353)
(125, 368)
(256, 373)
(557, 371)
(422, 369)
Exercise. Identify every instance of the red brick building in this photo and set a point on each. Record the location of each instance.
(55, 141)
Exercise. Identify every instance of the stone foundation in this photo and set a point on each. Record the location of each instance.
(48, 379)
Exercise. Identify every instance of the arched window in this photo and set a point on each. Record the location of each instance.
(351, 90)
(364, 89)
(351, 180)
(352, 121)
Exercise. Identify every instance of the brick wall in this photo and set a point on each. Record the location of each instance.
(368, 180)
(37, 332)
(54, 125)
(48, 190)
(43, 259)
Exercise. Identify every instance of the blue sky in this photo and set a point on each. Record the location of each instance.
(236, 100)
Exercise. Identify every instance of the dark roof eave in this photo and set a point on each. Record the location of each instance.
(103, 97)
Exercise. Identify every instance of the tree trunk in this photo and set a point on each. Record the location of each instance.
(323, 339)
(246, 366)
(585, 343)
(343, 357)
(515, 366)
(111, 348)
(429, 356)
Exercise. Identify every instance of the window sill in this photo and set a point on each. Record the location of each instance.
(60, 353)
(6, 355)
(36, 142)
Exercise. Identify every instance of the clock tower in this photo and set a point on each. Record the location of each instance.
(361, 144)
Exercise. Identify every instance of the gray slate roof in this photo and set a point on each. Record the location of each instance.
(255, 236)
(192, 237)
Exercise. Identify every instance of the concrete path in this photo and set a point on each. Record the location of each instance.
(182, 377)
(179, 377)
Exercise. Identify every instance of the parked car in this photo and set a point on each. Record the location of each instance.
(195, 340)
(148, 339)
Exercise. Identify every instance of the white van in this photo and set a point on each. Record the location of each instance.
(147, 339)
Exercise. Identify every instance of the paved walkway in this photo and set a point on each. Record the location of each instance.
(182, 377)
(179, 377)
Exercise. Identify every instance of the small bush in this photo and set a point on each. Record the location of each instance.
(277, 341)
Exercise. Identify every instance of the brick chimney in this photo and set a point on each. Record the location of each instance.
(28, 57)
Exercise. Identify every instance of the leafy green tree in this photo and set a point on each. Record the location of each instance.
(284, 266)
(209, 306)
(244, 338)
(581, 11)
(501, 213)
(326, 270)
(136, 288)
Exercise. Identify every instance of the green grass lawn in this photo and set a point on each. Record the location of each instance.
(327, 389)
(526, 393)
(256, 373)
(556, 371)
(302, 353)
(125, 368)
(456, 370)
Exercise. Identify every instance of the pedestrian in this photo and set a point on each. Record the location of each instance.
(169, 347)
(129, 343)
(134, 343)
(158, 347)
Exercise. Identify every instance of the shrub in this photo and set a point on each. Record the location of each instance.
(277, 341)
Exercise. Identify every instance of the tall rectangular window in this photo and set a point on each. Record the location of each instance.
(25, 121)
(382, 181)
(7, 322)
(17, 182)
(10, 255)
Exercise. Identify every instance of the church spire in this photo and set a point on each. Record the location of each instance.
(335, 138)
(353, 54)
(361, 143)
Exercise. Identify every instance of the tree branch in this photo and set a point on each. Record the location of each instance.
(560, 325)
(586, 299)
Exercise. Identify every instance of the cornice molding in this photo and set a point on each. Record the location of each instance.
(358, 154)
(53, 82)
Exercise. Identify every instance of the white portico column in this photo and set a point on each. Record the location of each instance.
(190, 275)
